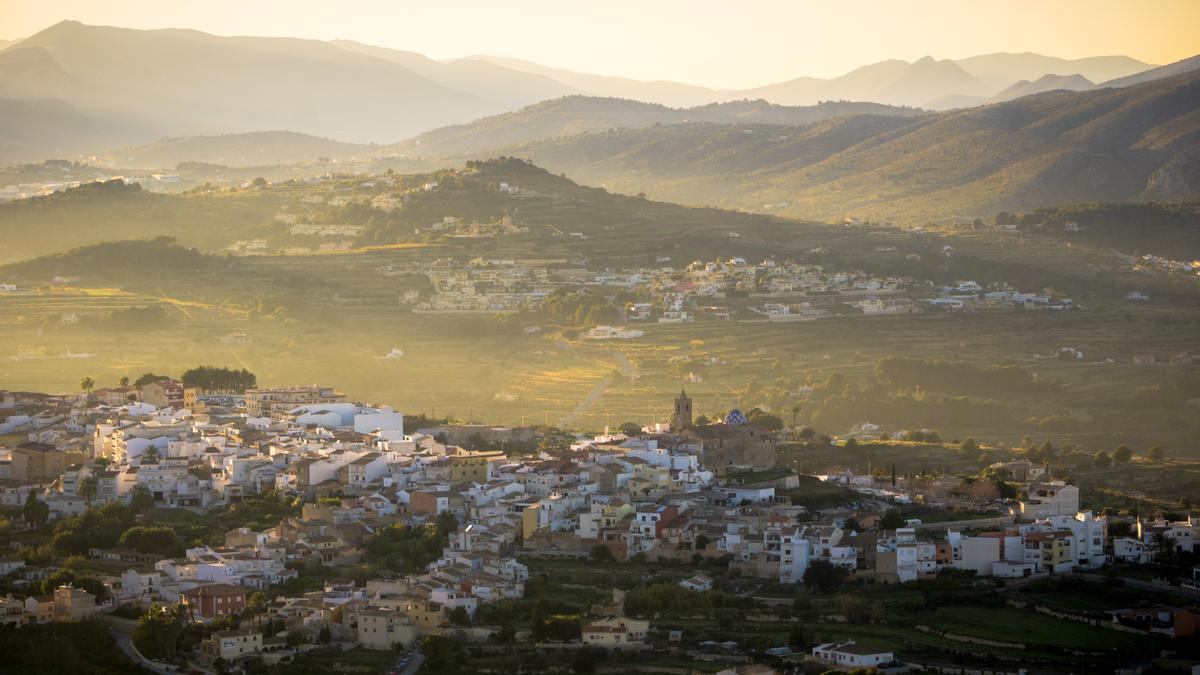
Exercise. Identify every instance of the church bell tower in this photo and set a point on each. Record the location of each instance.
(682, 418)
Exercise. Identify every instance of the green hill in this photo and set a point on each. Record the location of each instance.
(119, 262)
(111, 210)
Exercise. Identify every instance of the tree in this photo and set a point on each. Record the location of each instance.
(213, 378)
(159, 630)
(87, 489)
(969, 447)
(447, 522)
(798, 640)
(982, 491)
(1122, 454)
(1164, 547)
(460, 617)
(141, 499)
(701, 542)
(150, 539)
(823, 575)
(631, 429)
(87, 384)
(1155, 455)
(600, 553)
(440, 651)
(36, 512)
(891, 520)
(124, 381)
(325, 637)
(150, 454)
(146, 378)
(1102, 460)
(764, 419)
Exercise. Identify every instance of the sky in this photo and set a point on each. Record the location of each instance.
(716, 43)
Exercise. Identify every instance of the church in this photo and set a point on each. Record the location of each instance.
(734, 442)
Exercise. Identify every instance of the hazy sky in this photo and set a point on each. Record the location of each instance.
(718, 43)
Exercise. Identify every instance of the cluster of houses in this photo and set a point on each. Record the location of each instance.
(673, 491)
(357, 471)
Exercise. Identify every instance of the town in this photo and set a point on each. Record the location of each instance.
(230, 526)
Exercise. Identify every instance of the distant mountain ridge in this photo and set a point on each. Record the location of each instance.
(1003, 69)
(255, 148)
(1138, 142)
(574, 115)
(184, 82)
(1042, 84)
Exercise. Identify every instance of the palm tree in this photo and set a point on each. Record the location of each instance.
(87, 488)
(87, 384)
(124, 381)
(1164, 547)
(795, 411)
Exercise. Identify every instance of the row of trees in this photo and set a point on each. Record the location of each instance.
(213, 378)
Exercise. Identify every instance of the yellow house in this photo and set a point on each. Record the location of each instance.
(529, 520)
(472, 467)
(1052, 550)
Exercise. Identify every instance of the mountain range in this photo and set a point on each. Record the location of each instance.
(1133, 143)
(132, 86)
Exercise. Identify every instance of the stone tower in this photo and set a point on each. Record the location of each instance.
(682, 418)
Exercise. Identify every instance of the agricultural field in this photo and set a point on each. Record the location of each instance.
(463, 367)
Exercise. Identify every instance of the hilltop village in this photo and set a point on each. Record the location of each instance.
(286, 520)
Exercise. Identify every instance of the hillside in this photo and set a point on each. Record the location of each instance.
(1002, 69)
(106, 211)
(258, 148)
(1140, 142)
(194, 82)
(506, 88)
(36, 129)
(606, 225)
(1042, 84)
(1170, 70)
(1171, 230)
(893, 82)
(119, 262)
(576, 115)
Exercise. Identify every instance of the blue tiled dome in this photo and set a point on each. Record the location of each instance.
(735, 416)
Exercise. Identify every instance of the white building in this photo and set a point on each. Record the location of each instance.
(851, 655)
(1050, 499)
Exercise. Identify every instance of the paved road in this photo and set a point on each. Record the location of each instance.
(122, 632)
(413, 666)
